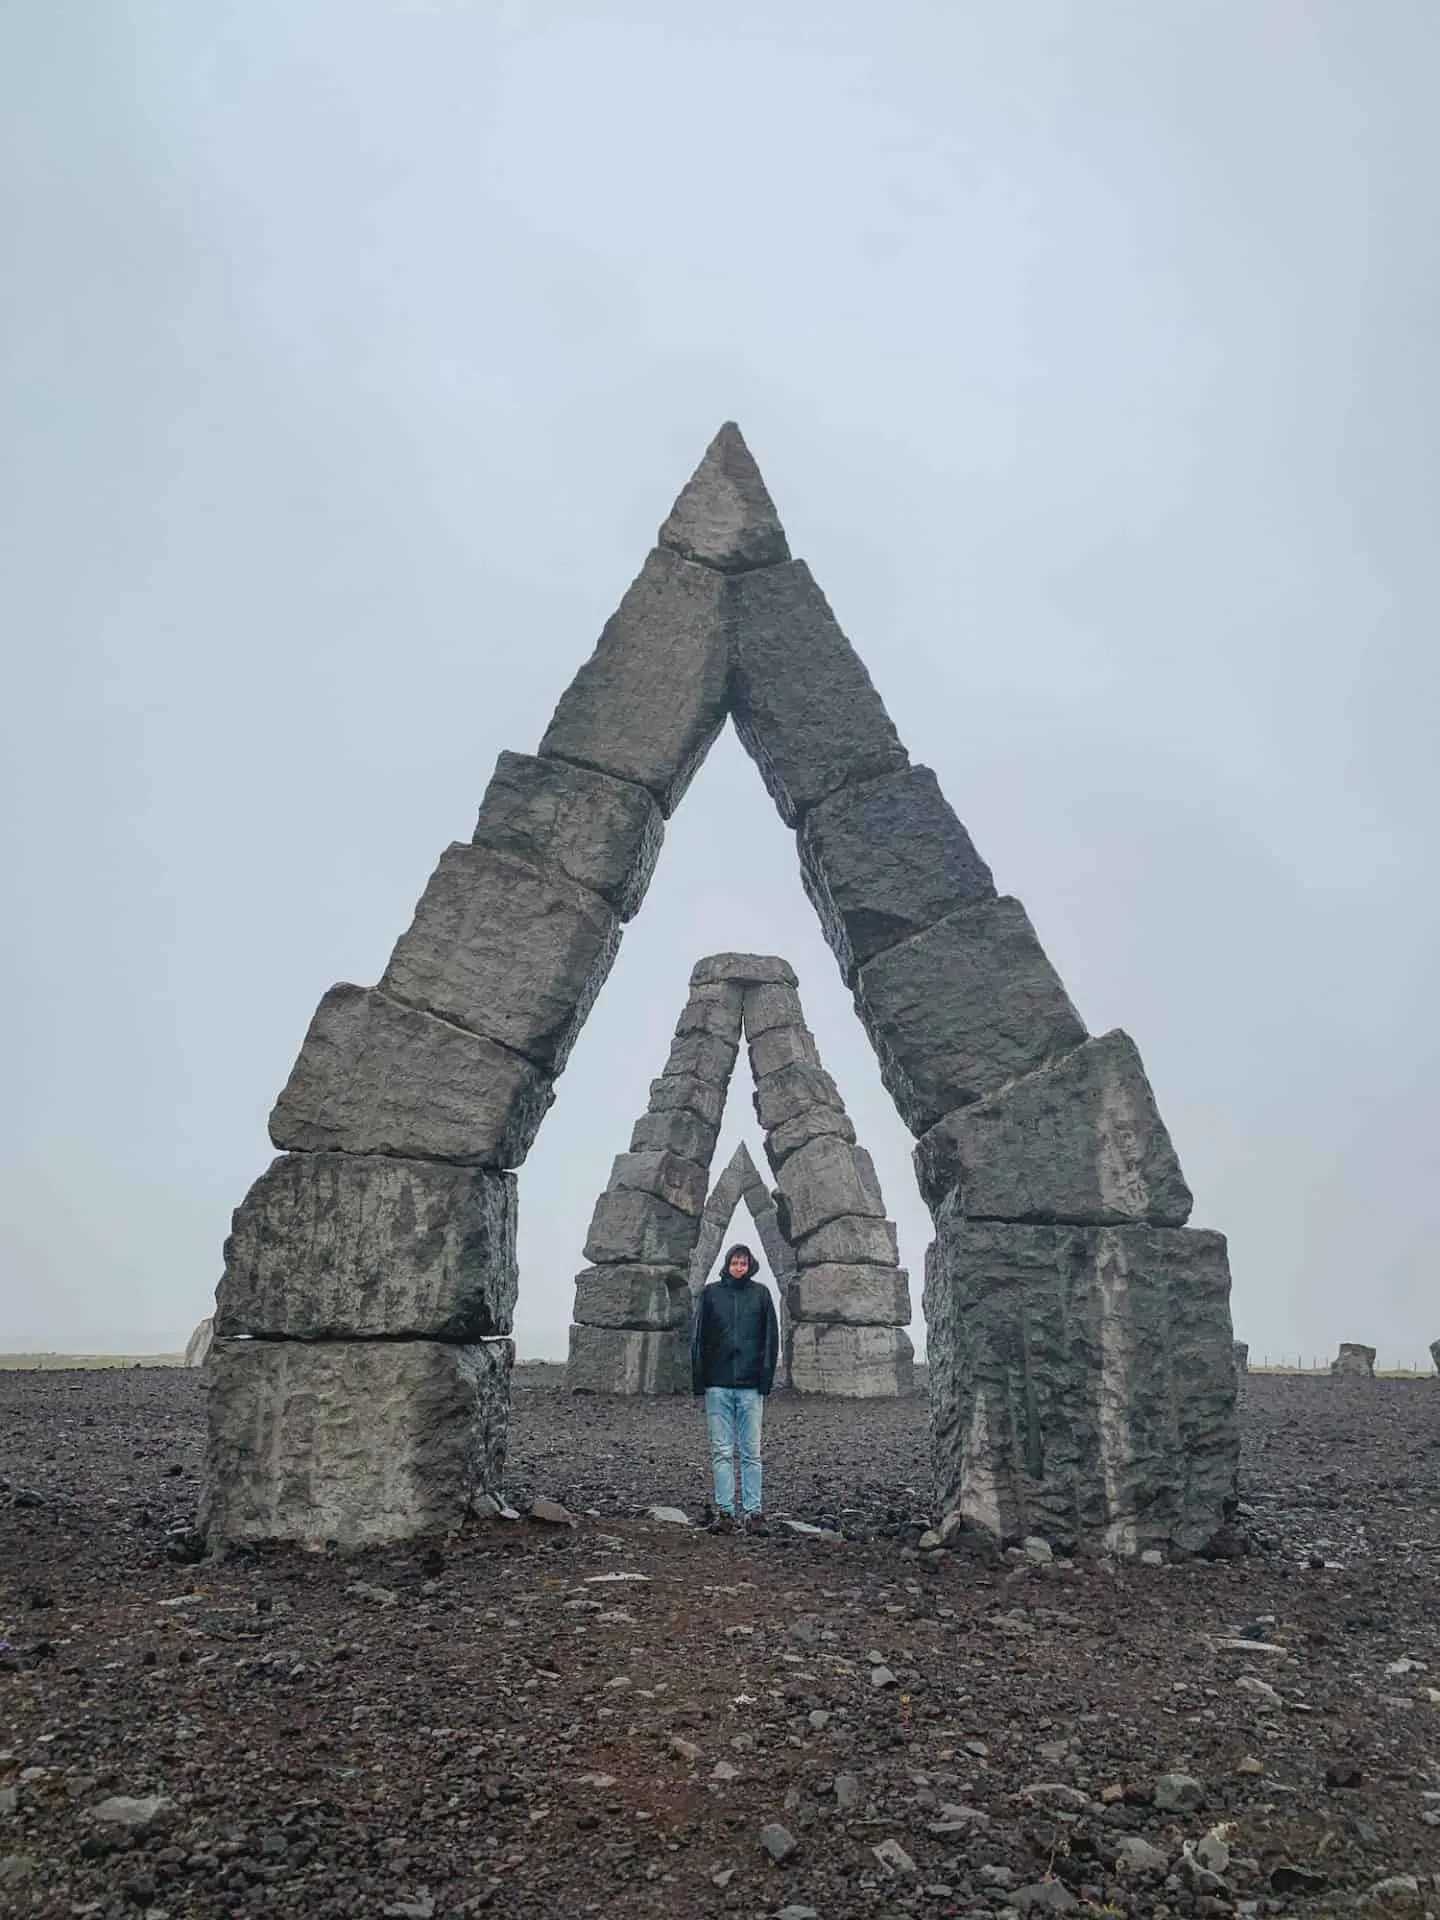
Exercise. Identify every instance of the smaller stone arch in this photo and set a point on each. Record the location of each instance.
(847, 1300)
(741, 1181)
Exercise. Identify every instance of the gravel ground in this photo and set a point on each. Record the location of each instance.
(614, 1718)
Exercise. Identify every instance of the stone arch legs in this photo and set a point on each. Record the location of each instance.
(1082, 1377)
(846, 1299)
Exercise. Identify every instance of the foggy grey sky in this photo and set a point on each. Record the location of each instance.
(352, 354)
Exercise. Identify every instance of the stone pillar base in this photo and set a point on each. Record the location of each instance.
(626, 1360)
(358, 1442)
(1082, 1381)
(856, 1363)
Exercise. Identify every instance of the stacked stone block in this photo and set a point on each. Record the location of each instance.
(846, 1302)
(1082, 1361)
(1026, 1125)
(1354, 1360)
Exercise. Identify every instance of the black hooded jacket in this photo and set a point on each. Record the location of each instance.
(737, 1339)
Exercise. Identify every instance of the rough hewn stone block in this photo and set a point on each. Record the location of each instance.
(884, 860)
(197, 1347)
(856, 1296)
(611, 1360)
(1354, 1359)
(376, 1077)
(346, 1246)
(767, 1007)
(637, 1229)
(652, 1299)
(808, 1124)
(784, 1096)
(1079, 1140)
(960, 1009)
(724, 516)
(803, 704)
(507, 950)
(705, 1055)
(679, 1182)
(782, 1047)
(822, 1182)
(850, 1242)
(688, 1090)
(355, 1441)
(676, 1130)
(603, 834)
(651, 698)
(857, 1363)
(1082, 1381)
(713, 1009)
(742, 970)
(740, 1182)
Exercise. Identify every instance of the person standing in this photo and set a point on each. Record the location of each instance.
(732, 1363)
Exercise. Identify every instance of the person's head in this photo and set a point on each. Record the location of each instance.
(740, 1263)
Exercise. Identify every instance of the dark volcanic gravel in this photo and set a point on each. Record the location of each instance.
(627, 1717)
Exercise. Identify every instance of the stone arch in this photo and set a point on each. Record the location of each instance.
(741, 1183)
(845, 1300)
(1082, 1379)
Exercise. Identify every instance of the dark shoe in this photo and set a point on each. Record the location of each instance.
(722, 1523)
(757, 1523)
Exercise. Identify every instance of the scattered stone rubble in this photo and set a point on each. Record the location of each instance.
(1082, 1371)
(655, 1235)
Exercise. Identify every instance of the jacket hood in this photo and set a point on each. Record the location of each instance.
(739, 1247)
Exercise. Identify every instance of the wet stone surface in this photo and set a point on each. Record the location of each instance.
(621, 1717)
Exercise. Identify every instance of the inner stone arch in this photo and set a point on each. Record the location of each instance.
(655, 1232)
(741, 1184)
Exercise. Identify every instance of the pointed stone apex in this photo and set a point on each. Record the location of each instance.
(724, 517)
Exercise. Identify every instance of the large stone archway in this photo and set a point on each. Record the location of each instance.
(1082, 1379)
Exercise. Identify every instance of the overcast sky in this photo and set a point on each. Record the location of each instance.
(352, 354)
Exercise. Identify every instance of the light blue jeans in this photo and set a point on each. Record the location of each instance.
(732, 1415)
